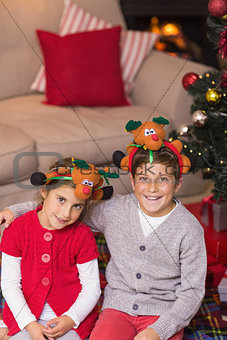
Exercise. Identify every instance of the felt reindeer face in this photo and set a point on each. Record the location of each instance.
(149, 134)
(87, 178)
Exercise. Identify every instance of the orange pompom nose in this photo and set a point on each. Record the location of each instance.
(86, 190)
(154, 137)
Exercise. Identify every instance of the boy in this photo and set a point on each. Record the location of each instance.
(156, 273)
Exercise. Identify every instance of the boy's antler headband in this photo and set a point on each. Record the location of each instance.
(150, 136)
(87, 178)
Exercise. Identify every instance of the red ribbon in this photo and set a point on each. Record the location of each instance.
(177, 153)
(131, 157)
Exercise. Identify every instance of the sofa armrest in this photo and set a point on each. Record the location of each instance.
(158, 85)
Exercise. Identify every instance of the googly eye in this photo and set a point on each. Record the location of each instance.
(87, 182)
(147, 132)
(152, 131)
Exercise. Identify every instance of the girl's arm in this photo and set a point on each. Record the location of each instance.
(84, 304)
(8, 215)
(12, 290)
(90, 292)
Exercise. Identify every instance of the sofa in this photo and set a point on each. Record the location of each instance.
(32, 134)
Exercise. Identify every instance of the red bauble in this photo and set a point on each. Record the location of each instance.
(189, 79)
(224, 79)
(217, 8)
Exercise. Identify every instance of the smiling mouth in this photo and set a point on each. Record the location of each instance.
(151, 198)
(60, 220)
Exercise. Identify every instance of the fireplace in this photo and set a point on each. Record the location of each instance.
(190, 15)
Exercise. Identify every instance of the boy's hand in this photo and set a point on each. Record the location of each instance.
(63, 324)
(147, 334)
(7, 217)
(36, 331)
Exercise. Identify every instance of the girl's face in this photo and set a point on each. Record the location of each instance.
(154, 187)
(60, 207)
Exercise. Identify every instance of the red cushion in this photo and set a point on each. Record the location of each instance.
(83, 68)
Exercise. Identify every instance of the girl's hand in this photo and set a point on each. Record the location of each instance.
(36, 331)
(63, 324)
(7, 217)
(147, 334)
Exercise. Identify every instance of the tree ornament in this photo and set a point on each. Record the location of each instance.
(213, 96)
(199, 118)
(217, 8)
(224, 79)
(222, 44)
(224, 17)
(189, 79)
(184, 130)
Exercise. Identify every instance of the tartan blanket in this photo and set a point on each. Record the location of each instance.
(208, 323)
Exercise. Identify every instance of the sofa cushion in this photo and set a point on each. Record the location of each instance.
(15, 163)
(135, 45)
(19, 45)
(83, 68)
(88, 133)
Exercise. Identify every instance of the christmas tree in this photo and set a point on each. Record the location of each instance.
(206, 139)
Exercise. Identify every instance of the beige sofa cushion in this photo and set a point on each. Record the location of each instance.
(19, 45)
(15, 164)
(92, 134)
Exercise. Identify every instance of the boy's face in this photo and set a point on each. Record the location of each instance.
(154, 186)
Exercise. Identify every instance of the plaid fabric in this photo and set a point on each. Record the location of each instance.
(208, 322)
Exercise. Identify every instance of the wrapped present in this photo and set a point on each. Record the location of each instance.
(214, 275)
(213, 214)
(222, 288)
(216, 244)
(220, 215)
(206, 211)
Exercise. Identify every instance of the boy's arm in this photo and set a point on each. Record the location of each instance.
(189, 295)
(21, 208)
(8, 215)
(96, 215)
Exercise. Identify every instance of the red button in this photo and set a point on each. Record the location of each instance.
(45, 281)
(45, 258)
(47, 236)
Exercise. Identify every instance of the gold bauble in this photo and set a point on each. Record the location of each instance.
(224, 17)
(213, 96)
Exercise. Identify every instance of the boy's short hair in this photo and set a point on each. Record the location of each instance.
(162, 156)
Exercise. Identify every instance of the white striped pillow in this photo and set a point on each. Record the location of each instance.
(135, 45)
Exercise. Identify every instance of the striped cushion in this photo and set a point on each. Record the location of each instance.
(135, 45)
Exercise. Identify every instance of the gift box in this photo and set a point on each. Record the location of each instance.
(220, 215)
(216, 244)
(222, 288)
(214, 275)
(206, 211)
(214, 214)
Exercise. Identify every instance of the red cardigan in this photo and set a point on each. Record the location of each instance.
(48, 266)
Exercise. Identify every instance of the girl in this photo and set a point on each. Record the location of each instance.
(50, 277)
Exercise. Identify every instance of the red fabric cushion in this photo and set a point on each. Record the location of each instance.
(83, 68)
